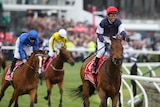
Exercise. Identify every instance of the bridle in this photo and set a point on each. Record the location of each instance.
(36, 68)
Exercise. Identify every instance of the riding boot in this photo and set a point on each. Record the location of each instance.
(13, 65)
(95, 65)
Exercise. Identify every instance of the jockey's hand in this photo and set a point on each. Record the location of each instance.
(106, 43)
(24, 60)
(128, 39)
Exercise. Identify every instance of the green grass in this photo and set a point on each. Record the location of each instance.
(71, 80)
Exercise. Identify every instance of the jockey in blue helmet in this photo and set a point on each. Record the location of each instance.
(25, 44)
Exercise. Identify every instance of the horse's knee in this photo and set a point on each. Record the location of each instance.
(48, 92)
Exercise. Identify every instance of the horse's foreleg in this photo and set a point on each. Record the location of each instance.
(35, 100)
(32, 96)
(103, 98)
(60, 85)
(85, 89)
(5, 85)
(49, 87)
(16, 102)
(120, 104)
(115, 100)
(14, 98)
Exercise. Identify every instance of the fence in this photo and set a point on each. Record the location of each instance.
(149, 80)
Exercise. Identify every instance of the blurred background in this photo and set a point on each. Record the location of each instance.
(80, 18)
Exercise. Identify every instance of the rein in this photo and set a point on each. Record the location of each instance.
(31, 66)
(55, 68)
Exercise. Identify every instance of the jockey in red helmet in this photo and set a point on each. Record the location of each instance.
(111, 9)
(109, 26)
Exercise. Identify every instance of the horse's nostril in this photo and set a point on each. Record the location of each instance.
(72, 63)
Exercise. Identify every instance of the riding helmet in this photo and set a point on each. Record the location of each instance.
(62, 32)
(111, 9)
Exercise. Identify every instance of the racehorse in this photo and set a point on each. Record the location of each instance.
(108, 79)
(55, 73)
(25, 80)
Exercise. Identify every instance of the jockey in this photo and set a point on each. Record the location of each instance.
(109, 26)
(57, 40)
(24, 46)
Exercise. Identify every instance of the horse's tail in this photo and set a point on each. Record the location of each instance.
(77, 92)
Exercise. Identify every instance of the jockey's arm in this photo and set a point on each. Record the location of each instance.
(64, 45)
(122, 31)
(36, 46)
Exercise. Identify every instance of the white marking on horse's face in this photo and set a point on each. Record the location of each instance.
(40, 64)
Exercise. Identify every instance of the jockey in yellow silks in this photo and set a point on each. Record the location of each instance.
(57, 40)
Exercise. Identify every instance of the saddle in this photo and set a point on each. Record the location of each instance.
(88, 70)
(17, 65)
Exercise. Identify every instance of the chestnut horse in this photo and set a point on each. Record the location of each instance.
(55, 73)
(25, 80)
(108, 77)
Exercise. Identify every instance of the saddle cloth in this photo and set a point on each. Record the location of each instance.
(47, 64)
(88, 70)
(9, 78)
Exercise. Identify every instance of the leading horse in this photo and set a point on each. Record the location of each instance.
(25, 80)
(55, 73)
(108, 78)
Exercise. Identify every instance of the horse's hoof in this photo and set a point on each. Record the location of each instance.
(46, 98)
(35, 101)
(60, 105)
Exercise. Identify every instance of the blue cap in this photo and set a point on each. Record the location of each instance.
(33, 34)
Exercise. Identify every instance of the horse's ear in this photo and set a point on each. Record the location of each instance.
(111, 37)
(120, 37)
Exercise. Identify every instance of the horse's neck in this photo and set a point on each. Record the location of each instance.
(58, 62)
(112, 67)
(30, 69)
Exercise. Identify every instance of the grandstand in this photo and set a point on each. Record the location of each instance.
(73, 9)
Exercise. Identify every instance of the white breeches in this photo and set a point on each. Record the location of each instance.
(101, 47)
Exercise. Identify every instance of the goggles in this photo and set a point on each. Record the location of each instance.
(32, 38)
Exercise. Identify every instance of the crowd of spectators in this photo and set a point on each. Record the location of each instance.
(86, 37)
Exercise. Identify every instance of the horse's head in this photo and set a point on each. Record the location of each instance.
(36, 60)
(116, 50)
(66, 56)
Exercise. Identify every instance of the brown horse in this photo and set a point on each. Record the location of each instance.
(55, 73)
(108, 80)
(25, 80)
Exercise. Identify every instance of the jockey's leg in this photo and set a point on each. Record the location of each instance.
(46, 61)
(13, 65)
(95, 65)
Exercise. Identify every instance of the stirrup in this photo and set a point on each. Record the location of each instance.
(94, 70)
(12, 74)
